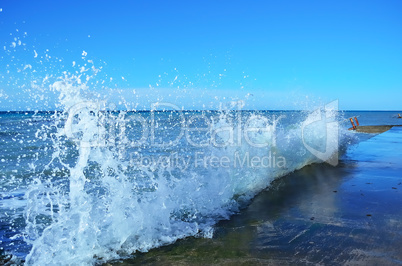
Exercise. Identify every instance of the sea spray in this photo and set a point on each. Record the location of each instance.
(105, 207)
(107, 214)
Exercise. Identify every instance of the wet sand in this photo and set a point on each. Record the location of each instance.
(349, 214)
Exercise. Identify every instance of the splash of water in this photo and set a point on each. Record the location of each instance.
(108, 193)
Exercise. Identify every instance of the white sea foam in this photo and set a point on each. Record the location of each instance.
(107, 205)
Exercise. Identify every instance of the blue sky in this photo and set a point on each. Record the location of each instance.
(272, 54)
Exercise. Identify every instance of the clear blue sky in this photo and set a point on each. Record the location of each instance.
(282, 54)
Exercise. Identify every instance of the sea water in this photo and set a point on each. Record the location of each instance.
(90, 184)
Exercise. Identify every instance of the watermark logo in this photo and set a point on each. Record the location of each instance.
(167, 128)
(165, 125)
(204, 160)
(327, 130)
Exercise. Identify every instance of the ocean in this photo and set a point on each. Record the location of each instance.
(88, 185)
